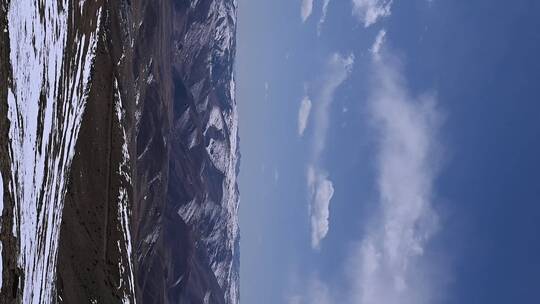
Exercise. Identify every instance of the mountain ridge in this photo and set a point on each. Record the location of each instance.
(146, 202)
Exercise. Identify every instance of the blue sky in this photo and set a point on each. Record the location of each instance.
(389, 151)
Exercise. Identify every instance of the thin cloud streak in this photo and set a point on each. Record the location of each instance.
(338, 70)
(322, 20)
(303, 114)
(370, 11)
(306, 9)
(320, 187)
(377, 45)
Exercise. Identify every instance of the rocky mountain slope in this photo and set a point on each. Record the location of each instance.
(118, 152)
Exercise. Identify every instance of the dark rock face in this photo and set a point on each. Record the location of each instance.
(118, 152)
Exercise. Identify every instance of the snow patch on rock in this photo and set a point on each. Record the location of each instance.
(45, 105)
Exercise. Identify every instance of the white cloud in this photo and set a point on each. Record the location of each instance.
(320, 188)
(303, 114)
(323, 16)
(390, 259)
(370, 11)
(391, 263)
(378, 44)
(338, 70)
(306, 9)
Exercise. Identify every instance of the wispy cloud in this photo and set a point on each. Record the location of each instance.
(303, 114)
(370, 11)
(323, 16)
(320, 187)
(377, 45)
(391, 256)
(390, 263)
(306, 9)
(338, 70)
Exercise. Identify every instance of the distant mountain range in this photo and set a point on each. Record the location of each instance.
(119, 152)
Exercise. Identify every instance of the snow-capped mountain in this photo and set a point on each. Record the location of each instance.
(118, 152)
